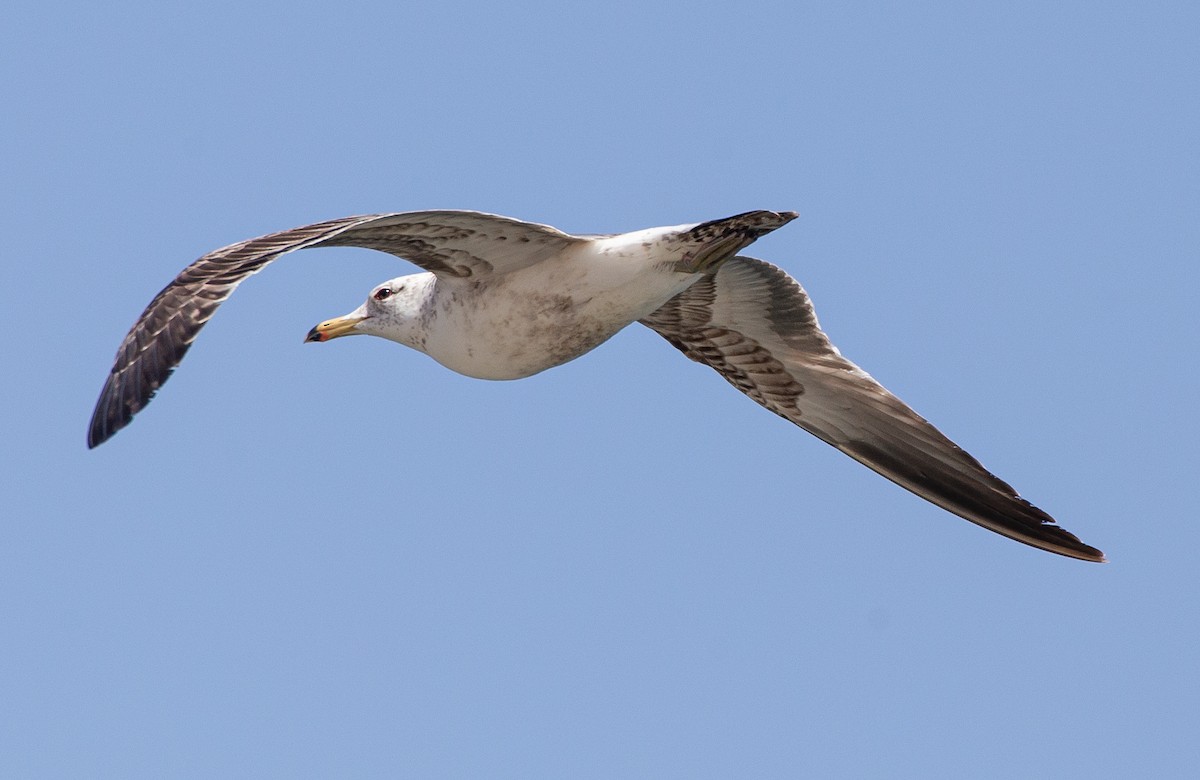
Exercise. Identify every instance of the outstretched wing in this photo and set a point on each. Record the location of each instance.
(755, 325)
(451, 244)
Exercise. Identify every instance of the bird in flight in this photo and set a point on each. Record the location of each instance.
(500, 298)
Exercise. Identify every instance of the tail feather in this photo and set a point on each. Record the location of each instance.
(721, 239)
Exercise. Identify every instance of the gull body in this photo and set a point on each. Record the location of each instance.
(504, 299)
(521, 323)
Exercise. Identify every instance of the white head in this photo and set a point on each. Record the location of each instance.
(392, 311)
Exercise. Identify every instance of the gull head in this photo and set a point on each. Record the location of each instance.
(389, 311)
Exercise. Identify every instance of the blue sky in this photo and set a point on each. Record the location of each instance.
(343, 560)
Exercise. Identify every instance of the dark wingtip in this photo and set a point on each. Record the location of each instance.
(97, 431)
(1052, 537)
(1091, 554)
(102, 427)
(110, 414)
(1082, 552)
(95, 438)
(1064, 542)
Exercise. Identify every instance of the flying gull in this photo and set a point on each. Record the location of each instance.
(504, 299)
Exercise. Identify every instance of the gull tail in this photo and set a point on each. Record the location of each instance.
(721, 239)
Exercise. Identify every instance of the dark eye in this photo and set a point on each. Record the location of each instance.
(383, 293)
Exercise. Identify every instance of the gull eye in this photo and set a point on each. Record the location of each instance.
(383, 293)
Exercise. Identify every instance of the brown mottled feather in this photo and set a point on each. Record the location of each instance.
(755, 325)
(451, 244)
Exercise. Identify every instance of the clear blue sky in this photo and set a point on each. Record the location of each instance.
(343, 560)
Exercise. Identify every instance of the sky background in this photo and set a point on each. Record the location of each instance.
(344, 560)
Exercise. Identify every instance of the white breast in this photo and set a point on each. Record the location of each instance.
(525, 322)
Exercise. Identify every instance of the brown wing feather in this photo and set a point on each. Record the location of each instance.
(755, 325)
(452, 244)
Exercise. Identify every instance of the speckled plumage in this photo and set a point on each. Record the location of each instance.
(503, 299)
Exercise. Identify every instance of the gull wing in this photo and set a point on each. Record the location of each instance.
(755, 325)
(452, 244)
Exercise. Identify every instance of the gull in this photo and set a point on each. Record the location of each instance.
(500, 298)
